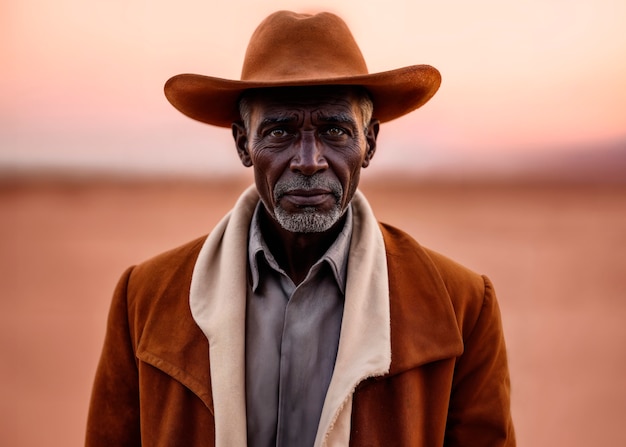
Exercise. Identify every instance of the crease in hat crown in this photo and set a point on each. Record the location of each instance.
(291, 49)
(325, 49)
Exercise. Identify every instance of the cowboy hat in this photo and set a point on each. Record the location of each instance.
(289, 49)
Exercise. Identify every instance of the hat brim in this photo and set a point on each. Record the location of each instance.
(215, 100)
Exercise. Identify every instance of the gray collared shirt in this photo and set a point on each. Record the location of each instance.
(292, 335)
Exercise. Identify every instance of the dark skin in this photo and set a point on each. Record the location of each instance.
(304, 132)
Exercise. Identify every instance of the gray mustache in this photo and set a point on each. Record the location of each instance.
(282, 187)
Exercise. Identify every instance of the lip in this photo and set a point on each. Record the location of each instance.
(308, 197)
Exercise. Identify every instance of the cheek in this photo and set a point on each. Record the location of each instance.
(347, 168)
(265, 190)
(354, 183)
(351, 160)
(268, 168)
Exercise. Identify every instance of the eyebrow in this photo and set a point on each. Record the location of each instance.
(277, 120)
(339, 118)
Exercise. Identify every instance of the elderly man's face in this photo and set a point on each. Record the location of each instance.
(307, 148)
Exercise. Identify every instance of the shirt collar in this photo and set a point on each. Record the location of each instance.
(336, 256)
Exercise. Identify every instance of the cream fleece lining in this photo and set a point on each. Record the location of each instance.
(217, 300)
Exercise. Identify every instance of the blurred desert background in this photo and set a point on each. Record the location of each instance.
(517, 169)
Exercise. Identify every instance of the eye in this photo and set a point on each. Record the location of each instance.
(277, 133)
(335, 131)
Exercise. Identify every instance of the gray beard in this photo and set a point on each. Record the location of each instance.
(308, 219)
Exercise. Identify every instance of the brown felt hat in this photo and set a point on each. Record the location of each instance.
(289, 49)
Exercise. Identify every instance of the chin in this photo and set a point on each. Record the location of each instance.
(309, 220)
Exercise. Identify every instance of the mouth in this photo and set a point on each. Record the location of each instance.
(308, 197)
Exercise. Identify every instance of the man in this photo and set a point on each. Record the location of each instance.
(300, 320)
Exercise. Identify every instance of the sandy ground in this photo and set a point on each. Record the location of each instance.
(556, 254)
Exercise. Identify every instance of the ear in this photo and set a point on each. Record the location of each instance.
(370, 136)
(241, 142)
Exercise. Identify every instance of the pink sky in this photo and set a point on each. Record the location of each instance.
(82, 80)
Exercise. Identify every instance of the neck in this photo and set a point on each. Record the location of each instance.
(297, 252)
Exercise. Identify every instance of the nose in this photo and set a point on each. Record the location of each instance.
(308, 158)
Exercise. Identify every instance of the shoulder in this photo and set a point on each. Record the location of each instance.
(166, 274)
(402, 247)
(414, 268)
(171, 261)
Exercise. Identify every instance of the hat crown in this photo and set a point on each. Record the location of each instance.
(291, 46)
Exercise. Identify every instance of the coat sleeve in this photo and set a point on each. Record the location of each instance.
(479, 413)
(114, 409)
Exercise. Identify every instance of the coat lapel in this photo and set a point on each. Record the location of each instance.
(170, 340)
(424, 328)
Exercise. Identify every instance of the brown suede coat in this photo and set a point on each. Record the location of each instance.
(448, 383)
